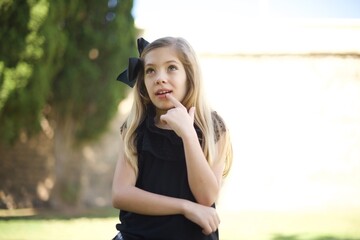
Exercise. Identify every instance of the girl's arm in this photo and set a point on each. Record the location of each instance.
(204, 180)
(126, 196)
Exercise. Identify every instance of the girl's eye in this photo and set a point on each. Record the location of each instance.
(172, 68)
(149, 70)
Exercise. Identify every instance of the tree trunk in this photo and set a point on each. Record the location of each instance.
(69, 164)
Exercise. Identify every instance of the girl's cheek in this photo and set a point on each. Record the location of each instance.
(147, 90)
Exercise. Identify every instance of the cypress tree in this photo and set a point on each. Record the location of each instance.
(97, 37)
(58, 62)
(21, 50)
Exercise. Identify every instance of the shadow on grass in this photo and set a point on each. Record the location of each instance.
(297, 237)
(65, 214)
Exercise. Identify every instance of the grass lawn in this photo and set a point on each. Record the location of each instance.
(90, 225)
(264, 225)
(100, 224)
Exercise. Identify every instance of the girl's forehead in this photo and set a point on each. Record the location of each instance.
(160, 55)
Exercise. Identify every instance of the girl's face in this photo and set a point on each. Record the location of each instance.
(164, 74)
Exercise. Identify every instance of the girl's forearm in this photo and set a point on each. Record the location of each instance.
(133, 199)
(202, 180)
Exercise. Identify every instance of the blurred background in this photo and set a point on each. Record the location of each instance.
(285, 76)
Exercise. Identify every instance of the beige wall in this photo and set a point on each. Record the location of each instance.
(295, 123)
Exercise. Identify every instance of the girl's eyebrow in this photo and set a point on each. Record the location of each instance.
(167, 62)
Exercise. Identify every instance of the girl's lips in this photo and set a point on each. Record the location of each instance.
(162, 92)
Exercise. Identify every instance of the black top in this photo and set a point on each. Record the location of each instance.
(162, 170)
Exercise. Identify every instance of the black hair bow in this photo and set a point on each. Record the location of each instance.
(129, 75)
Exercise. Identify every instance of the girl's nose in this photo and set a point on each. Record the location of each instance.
(161, 78)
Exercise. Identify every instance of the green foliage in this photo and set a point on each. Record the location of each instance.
(64, 55)
(14, 18)
(285, 237)
(21, 49)
(97, 37)
(296, 237)
(98, 41)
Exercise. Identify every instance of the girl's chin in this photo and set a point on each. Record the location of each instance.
(163, 108)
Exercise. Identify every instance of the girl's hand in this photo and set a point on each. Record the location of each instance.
(178, 118)
(206, 217)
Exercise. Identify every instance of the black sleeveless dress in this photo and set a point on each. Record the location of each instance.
(162, 170)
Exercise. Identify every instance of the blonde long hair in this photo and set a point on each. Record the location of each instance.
(195, 97)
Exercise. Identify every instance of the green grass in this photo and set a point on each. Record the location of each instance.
(90, 225)
(100, 224)
(301, 225)
(81, 228)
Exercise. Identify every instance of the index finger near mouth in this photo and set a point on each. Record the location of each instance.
(174, 100)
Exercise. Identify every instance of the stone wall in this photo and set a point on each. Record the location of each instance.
(26, 172)
(27, 169)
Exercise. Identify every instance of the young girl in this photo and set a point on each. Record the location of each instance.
(175, 150)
